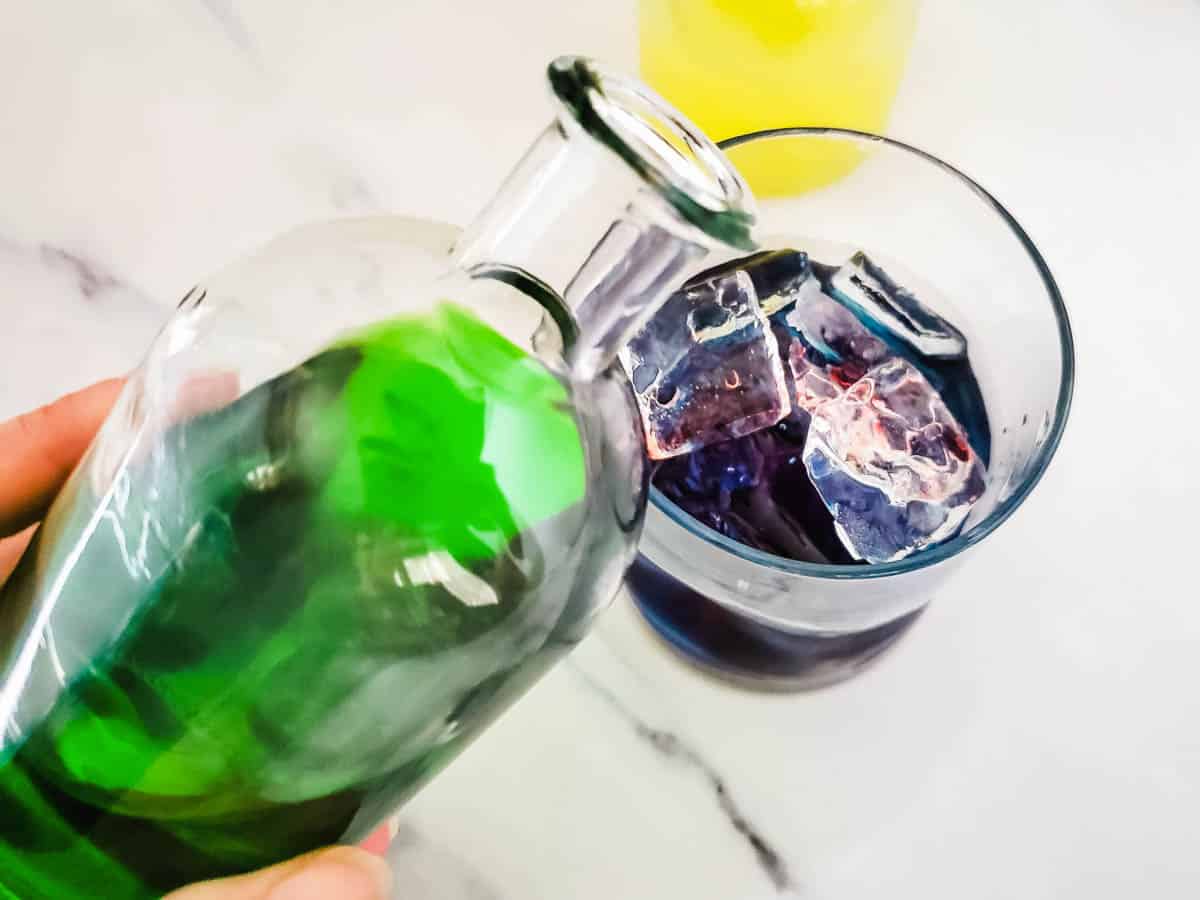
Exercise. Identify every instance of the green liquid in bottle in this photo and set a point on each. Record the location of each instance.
(287, 614)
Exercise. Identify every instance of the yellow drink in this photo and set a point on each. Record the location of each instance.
(735, 66)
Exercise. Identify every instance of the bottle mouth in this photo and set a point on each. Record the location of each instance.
(662, 147)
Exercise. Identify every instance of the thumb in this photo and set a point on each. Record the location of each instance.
(39, 449)
(345, 873)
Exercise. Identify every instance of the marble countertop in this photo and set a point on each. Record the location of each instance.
(1032, 737)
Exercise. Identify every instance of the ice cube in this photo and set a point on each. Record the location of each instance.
(821, 337)
(871, 293)
(779, 277)
(706, 368)
(824, 343)
(812, 382)
(755, 490)
(891, 464)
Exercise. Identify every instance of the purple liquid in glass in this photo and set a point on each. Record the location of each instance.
(756, 489)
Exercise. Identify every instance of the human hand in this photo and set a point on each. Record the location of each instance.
(38, 451)
(336, 873)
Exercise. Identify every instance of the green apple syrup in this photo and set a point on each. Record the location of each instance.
(286, 614)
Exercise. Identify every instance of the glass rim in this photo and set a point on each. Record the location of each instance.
(1004, 510)
(649, 135)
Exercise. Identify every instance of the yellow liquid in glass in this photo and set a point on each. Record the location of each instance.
(735, 66)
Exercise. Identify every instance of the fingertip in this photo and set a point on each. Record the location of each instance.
(40, 448)
(105, 390)
(87, 407)
(342, 872)
(379, 840)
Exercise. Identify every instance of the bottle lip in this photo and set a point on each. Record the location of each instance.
(662, 147)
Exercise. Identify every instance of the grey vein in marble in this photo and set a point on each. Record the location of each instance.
(232, 24)
(322, 168)
(351, 194)
(673, 747)
(92, 277)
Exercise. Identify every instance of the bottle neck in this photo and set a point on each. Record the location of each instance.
(576, 217)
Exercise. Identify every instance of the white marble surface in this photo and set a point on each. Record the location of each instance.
(1034, 737)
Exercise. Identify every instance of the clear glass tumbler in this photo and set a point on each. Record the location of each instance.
(754, 615)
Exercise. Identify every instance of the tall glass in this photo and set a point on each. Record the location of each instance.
(751, 614)
(737, 66)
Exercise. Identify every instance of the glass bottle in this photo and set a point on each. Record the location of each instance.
(366, 487)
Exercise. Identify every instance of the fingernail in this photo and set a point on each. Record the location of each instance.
(343, 873)
(378, 841)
